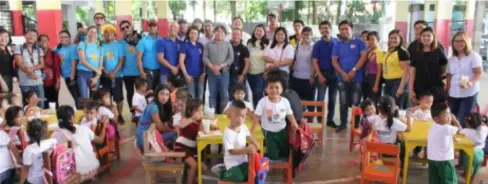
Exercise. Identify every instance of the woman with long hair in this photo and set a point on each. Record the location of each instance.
(91, 62)
(68, 59)
(191, 63)
(464, 70)
(51, 81)
(255, 75)
(428, 68)
(7, 71)
(279, 54)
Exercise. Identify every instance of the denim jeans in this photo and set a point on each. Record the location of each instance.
(163, 79)
(331, 83)
(349, 95)
(83, 82)
(233, 82)
(6, 176)
(168, 137)
(39, 89)
(152, 78)
(196, 88)
(461, 107)
(256, 82)
(218, 84)
(391, 87)
(304, 90)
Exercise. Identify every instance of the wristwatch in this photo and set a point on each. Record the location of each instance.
(354, 69)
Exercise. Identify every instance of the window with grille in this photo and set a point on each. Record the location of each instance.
(5, 16)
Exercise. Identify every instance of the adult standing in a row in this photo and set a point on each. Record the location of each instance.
(218, 55)
(297, 27)
(7, 71)
(51, 71)
(68, 55)
(256, 46)
(464, 70)
(168, 51)
(303, 77)
(279, 54)
(373, 74)
(147, 62)
(191, 63)
(413, 47)
(348, 58)
(91, 62)
(99, 19)
(240, 66)
(182, 30)
(238, 22)
(326, 75)
(272, 26)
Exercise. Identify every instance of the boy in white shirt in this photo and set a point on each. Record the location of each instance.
(421, 112)
(90, 111)
(235, 137)
(139, 101)
(272, 111)
(239, 93)
(440, 145)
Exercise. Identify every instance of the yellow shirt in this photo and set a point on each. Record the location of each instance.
(391, 63)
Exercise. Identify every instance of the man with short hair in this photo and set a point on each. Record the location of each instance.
(238, 22)
(413, 47)
(99, 19)
(30, 61)
(297, 27)
(183, 27)
(168, 51)
(238, 68)
(364, 36)
(273, 24)
(208, 33)
(348, 58)
(326, 76)
(147, 62)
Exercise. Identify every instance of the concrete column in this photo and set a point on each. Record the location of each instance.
(49, 19)
(67, 10)
(98, 5)
(478, 25)
(442, 21)
(401, 17)
(123, 11)
(162, 9)
(469, 16)
(17, 17)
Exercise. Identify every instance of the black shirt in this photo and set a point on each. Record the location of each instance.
(295, 104)
(428, 69)
(6, 63)
(240, 53)
(413, 47)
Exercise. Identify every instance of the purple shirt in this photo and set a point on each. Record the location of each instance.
(371, 67)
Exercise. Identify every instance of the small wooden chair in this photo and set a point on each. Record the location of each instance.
(251, 177)
(150, 166)
(287, 164)
(355, 132)
(316, 127)
(104, 154)
(114, 145)
(390, 169)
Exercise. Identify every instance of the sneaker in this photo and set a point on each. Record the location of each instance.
(331, 124)
(216, 169)
(121, 120)
(340, 128)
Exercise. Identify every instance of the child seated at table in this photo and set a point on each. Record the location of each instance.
(31, 109)
(103, 97)
(139, 101)
(239, 93)
(440, 145)
(421, 112)
(82, 138)
(386, 126)
(477, 131)
(181, 96)
(236, 151)
(33, 172)
(369, 115)
(14, 117)
(90, 111)
(272, 111)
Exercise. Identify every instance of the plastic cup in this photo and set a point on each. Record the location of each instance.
(206, 125)
(52, 106)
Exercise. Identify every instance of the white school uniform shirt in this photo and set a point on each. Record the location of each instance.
(463, 67)
(388, 135)
(440, 144)
(478, 136)
(276, 54)
(273, 115)
(84, 122)
(104, 111)
(235, 140)
(422, 115)
(248, 105)
(86, 160)
(140, 102)
(6, 161)
(32, 156)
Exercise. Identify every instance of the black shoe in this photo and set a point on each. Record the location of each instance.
(331, 124)
(121, 120)
(340, 129)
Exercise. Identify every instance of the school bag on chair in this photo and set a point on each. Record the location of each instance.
(261, 165)
(302, 147)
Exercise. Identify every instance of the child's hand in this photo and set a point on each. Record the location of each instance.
(252, 149)
(455, 139)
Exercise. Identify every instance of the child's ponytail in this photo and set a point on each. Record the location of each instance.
(387, 107)
(36, 129)
(64, 114)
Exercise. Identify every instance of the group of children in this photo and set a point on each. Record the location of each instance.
(440, 142)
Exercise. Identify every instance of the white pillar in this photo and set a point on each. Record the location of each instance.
(67, 9)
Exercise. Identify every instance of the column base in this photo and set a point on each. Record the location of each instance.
(50, 23)
(163, 27)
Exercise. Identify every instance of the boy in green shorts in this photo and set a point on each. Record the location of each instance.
(272, 111)
(440, 146)
(235, 137)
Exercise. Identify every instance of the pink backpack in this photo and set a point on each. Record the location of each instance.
(156, 143)
(63, 162)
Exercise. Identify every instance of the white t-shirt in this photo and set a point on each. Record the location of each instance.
(235, 140)
(273, 115)
(478, 136)
(276, 54)
(140, 102)
(422, 115)
(6, 161)
(440, 144)
(1, 120)
(177, 118)
(388, 135)
(248, 105)
(16, 139)
(32, 156)
(84, 122)
(86, 160)
(245, 37)
(104, 111)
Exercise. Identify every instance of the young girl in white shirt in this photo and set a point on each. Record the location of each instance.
(14, 118)
(477, 131)
(8, 151)
(386, 126)
(32, 172)
(31, 109)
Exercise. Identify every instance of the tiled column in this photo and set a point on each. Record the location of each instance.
(145, 22)
(469, 17)
(162, 14)
(17, 17)
(49, 19)
(442, 22)
(401, 17)
(123, 11)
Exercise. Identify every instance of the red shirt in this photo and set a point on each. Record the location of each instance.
(51, 70)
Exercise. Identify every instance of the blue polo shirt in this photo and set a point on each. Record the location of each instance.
(193, 58)
(170, 49)
(349, 54)
(130, 64)
(92, 55)
(322, 50)
(67, 54)
(111, 56)
(147, 45)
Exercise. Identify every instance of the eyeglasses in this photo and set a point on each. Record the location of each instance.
(99, 18)
(124, 28)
